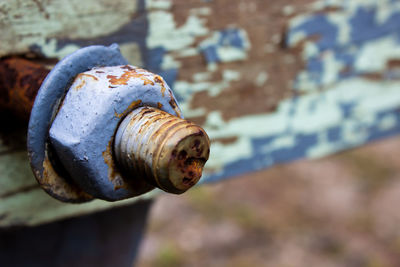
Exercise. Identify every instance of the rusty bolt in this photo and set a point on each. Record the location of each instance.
(167, 151)
(150, 142)
(110, 132)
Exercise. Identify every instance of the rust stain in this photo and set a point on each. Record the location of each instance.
(127, 67)
(135, 186)
(79, 86)
(393, 64)
(126, 76)
(88, 75)
(133, 105)
(199, 120)
(113, 174)
(347, 69)
(158, 79)
(225, 140)
(174, 105)
(159, 105)
(20, 79)
(58, 187)
(191, 158)
(373, 76)
(193, 170)
(83, 81)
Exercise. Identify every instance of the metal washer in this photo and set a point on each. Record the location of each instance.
(55, 182)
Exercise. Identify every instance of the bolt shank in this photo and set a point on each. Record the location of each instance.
(167, 151)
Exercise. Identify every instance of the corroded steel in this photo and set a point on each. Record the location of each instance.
(20, 80)
(83, 130)
(167, 151)
(79, 162)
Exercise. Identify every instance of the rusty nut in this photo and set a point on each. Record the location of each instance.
(83, 130)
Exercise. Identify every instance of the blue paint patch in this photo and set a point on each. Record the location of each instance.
(302, 144)
(392, 74)
(364, 28)
(375, 133)
(152, 61)
(319, 27)
(263, 159)
(232, 37)
(333, 134)
(258, 159)
(363, 19)
(347, 109)
(153, 58)
(210, 54)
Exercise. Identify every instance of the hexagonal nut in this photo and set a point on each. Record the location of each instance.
(82, 133)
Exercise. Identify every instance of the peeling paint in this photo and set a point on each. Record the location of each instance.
(158, 4)
(163, 31)
(226, 46)
(360, 38)
(321, 75)
(301, 128)
(25, 24)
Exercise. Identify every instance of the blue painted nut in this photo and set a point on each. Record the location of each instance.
(48, 171)
(119, 133)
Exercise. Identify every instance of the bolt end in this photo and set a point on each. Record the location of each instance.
(167, 151)
(182, 158)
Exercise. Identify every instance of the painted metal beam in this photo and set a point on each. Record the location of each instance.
(270, 81)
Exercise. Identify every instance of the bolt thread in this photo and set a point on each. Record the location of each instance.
(167, 151)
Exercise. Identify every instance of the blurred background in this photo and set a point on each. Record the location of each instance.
(338, 211)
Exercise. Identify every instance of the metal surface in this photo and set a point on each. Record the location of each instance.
(83, 130)
(20, 80)
(44, 109)
(269, 82)
(166, 151)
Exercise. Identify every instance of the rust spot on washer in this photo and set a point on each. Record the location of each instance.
(83, 80)
(79, 86)
(133, 105)
(126, 76)
(88, 75)
(57, 186)
(127, 67)
(158, 79)
(113, 174)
